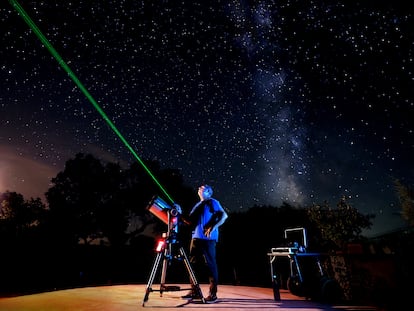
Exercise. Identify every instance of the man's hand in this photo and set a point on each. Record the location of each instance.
(207, 231)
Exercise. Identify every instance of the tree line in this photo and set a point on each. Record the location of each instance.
(91, 201)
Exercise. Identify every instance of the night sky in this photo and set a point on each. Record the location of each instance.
(268, 101)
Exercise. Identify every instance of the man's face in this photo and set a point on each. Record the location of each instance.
(204, 193)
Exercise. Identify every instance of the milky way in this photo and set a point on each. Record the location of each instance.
(269, 101)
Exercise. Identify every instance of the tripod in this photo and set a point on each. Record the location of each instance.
(165, 254)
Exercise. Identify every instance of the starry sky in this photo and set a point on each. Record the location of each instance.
(268, 101)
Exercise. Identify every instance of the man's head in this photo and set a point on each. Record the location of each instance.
(205, 192)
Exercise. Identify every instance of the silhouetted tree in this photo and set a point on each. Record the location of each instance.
(339, 226)
(90, 201)
(406, 196)
(76, 198)
(19, 217)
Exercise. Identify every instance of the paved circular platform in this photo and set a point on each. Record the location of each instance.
(131, 298)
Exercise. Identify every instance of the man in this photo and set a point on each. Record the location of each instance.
(206, 217)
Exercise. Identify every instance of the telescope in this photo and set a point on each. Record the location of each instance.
(168, 215)
(164, 212)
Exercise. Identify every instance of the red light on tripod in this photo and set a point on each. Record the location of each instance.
(160, 245)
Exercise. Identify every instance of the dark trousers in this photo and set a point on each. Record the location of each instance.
(203, 260)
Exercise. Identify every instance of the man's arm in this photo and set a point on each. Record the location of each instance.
(216, 221)
(221, 220)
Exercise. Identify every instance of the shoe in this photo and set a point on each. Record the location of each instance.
(211, 299)
(190, 295)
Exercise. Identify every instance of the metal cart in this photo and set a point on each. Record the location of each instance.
(305, 275)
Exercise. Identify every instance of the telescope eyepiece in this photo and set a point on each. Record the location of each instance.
(174, 212)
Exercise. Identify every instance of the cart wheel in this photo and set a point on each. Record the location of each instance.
(330, 290)
(295, 286)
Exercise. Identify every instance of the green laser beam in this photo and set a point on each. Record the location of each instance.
(63, 64)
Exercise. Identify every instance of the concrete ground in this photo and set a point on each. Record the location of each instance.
(131, 298)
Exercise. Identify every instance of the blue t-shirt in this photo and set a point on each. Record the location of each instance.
(211, 206)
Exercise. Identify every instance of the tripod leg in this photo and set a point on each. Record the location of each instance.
(152, 276)
(167, 255)
(193, 278)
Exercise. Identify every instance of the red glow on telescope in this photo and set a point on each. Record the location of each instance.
(160, 245)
